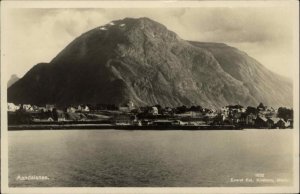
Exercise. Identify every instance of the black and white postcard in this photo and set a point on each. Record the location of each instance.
(150, 96)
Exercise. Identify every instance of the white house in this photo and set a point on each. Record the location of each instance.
(86, 109)
(154, 110)
(130, 104)
(50, 107)
(83, 108)
(71, 109)
(12, 107)
(27, 107)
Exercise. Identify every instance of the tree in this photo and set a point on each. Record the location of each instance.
(181, 109)
(159, 108)
(252, 110)
(54, 114)
(21, 117)
(218, 120)
(196, 108)
(285, 113)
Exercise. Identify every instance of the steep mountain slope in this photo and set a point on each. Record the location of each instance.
(263, 84)
(140, 60)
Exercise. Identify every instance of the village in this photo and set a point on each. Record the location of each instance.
(129, 115)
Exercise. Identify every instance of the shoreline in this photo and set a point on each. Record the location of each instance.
(119, 127)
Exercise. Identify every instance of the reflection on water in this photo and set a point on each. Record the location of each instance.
(97, 158)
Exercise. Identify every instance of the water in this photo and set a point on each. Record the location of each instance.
(109, 158)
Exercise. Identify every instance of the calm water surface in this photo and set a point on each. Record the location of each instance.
(103, 158)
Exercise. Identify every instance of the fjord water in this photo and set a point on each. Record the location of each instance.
(109, 158)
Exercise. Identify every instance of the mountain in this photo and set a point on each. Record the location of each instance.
(263, 85)
(140, 60)
(13, 79)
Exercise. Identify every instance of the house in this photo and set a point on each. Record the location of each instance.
(154, 110)
(130, 105)
(261, 107)
(11, 107)
(42, 109)
(272, 122)
(243, 109)
(232, 111)
(50, 119)
(237, 108)
(261, 122)
(225, 112)
(250, 119)
(281, 124)
(243, 118)
(276, 122)
(49, 107)
(127, 107)
(86, 109)
(60, 119)
(60, 115)
(82, 117)
(247, 119)
(71, 109)
(236, 116)
(83, 108)
(228, 121)
(271, 111)
(27, 107)
(210, 115)
(35, 108)
(290, 123)
(137, 123)
(72, 116)
(167, 111)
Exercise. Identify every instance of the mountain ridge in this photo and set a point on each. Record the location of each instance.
(142, 61)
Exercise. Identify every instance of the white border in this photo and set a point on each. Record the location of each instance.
(139, 4)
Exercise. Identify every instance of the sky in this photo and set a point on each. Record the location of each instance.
(38, 35)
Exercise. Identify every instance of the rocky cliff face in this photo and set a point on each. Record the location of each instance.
(142, 61)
